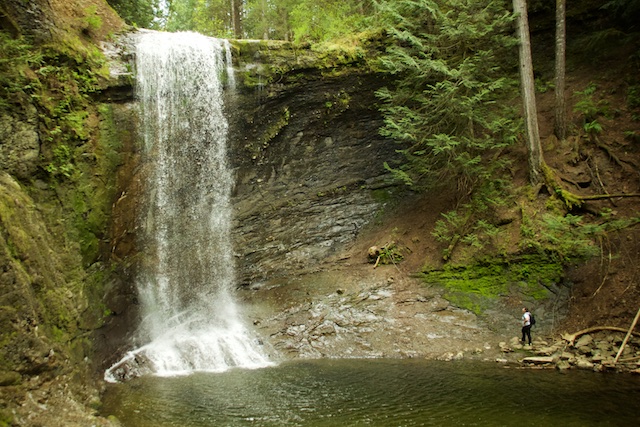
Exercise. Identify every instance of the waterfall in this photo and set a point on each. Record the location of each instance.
(190, 319)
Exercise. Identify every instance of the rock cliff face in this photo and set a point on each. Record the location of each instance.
(309, 165)
(57, 160)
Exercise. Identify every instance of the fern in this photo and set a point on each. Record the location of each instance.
(445, 107)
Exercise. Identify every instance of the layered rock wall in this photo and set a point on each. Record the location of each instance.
(309, 168)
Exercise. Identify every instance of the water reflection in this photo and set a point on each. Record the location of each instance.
(378, 393)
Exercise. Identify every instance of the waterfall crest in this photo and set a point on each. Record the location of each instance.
(190, 319)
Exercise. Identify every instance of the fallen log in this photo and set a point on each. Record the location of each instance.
(630, 359)
(539, 360)
(571, 338)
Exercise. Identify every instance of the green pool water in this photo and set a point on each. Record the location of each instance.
(378, 392)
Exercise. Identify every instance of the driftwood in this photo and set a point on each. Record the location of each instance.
(571, 338)
(629, 359)
(626, 338)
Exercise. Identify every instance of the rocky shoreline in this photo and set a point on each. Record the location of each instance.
(594, 351)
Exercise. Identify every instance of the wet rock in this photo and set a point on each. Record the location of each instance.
(19, 147)
(504, 347)
(584, 341)
(565, 355)
(546, 351)
(583, 349)
(326, 328)
(583, 363)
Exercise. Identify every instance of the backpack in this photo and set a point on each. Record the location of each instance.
(532, 320)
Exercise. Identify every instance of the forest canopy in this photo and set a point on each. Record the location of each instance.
(299, 20)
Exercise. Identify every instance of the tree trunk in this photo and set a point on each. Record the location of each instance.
(560, 125)
(528, 94)
(236, 18)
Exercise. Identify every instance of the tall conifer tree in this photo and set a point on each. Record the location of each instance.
(446, 107)
(528, 93)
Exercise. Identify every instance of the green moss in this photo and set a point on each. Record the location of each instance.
(53, 232)
(91, 18)
(267, 61)
(381, 195)
(58, 335)
(274, 126)
(476, 286)
(337, 103)
(6, 420)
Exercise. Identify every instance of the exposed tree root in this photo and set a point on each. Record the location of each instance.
(571, 338)
(570, 199)
(620, 162)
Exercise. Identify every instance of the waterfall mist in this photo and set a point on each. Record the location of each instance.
(190, 319)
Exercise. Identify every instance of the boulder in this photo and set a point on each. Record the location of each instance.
(584, 340)
(584, 363)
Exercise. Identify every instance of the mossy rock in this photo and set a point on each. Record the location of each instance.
(478, 286)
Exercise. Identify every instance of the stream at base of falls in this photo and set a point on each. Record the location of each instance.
(378, 392)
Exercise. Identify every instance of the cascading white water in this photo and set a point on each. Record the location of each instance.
(190, 318)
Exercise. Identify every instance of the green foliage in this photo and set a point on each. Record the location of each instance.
(592, 128)
(17, 56)
(473, 224)
(305, 20)
(268, 19)
(273, 130)
(316, 21)
(58, 80)
(209, 17)
(299, 20)
(587, 104)
(92, 19)
(632, 136)
(543, 86)
(141, 13)
(6, 420)
(447, 106)
(61, 163)
(626, 10)
(390, 253)
(567, 238)
(633, 96)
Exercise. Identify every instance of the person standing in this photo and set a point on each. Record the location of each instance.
(526, 325)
